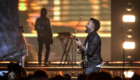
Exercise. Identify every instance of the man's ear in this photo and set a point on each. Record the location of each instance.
(93, 27)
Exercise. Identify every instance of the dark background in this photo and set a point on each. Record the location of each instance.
(117, 12)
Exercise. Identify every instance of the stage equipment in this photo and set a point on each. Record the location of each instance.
(66, 48)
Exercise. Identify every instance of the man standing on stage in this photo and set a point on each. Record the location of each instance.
(91, 47)
(44, 32)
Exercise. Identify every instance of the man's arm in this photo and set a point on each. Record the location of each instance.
(50, 28)
(92, 46)
(80, 46)
(38, 27)
(36, 23)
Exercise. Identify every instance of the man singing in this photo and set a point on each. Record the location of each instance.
(44, 32)
(91, 47)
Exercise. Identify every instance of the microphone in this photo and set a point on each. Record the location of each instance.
(79, 20)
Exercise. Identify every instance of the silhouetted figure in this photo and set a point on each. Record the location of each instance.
(92, 76)
(58, 77)
(117, 78)
(44, 33)
(82, 77)
(67, 77)
(33, 77)
(135, 77)
(15, 71)
(40, 73)
(103, 76)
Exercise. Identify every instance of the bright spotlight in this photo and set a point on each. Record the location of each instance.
(129, 45)
(128, 18)
(128, 74)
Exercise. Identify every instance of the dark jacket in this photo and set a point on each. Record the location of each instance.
(93, 51)
(43, 26)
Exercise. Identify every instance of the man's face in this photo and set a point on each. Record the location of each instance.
(89, 26)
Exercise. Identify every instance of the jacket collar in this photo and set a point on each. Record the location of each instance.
(90, 35)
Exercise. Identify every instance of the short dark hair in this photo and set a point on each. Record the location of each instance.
(44, 9)
(82, 77)
(97, 23)
(40, 72)
(43, 12)
(67, 77)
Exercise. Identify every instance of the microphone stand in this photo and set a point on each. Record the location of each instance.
(75, 30)
(20, 32)
(123, 50)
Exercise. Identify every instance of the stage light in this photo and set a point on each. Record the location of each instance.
(5, 62)
(36, 8)
(129, 33)
(22, 0)
(95, 12)
(105, 5)
(117, 62)
(56, 12)
(129, 45)
(42, 2)
(56, 2)
(129, 57)
(33, 4)
(56, 8)
(97, 7)
(129, 6)
(65, 2)
(128, 18)
(129, 29)
(128, 74)
(22, 6)
(33, 34)
(56, 18)
(95, 1)
(129, 36)
(105, 22)
(104, 0)
(65, 7)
